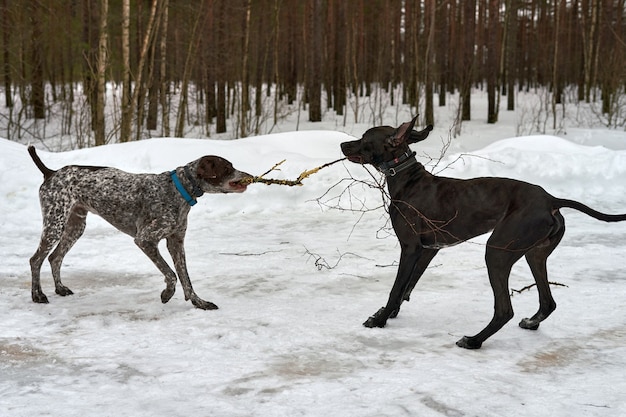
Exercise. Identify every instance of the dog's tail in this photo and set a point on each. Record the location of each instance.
(47, 172)
(559, 203)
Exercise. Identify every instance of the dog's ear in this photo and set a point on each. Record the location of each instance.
(402, 133)
(406, 134)
(419, 136)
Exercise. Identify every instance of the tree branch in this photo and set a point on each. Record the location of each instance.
(528, 287)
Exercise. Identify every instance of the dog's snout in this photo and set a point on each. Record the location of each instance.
(241, 175)
(352, 151)
(351, 148)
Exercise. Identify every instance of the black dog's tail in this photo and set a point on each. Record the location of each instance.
(47, 172)
(559, 203)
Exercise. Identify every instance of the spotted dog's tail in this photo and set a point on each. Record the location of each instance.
(47, 172)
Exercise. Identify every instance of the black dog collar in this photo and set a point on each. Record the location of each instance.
(400, 163)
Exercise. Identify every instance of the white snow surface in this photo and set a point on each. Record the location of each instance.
(287, 339)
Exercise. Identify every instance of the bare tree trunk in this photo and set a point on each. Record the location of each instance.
(263, 56)
(443, 50)
(37, 86)
(314, 64)
(352, 59)
(220, 122)
(469, 16)
(589, 33)
(412, 77)
(153, 88)
(341, 53)
(276, 55)
(89, 40)
(127, 109)
(429, 112)
(189, 60)
(143, 54)
(493, 63)
(613, 78)
(6, 61)
(163, 94)
(245, 76)
(151, 83)
(99, 129)
(555, 63)
(510, 51)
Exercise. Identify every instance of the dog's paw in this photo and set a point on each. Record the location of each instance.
(529, 324)
(167, 294)
(204, 305)
(39, 297)
(63, 291)
(468, 342)
(373, 322)
(379, 319)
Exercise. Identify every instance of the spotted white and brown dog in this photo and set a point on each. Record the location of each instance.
(148, 207)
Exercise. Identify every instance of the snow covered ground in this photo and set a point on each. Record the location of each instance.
(294, 281)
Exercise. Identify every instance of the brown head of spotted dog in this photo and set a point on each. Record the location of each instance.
(429, 213)
(148, 207)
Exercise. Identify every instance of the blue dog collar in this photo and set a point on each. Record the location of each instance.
(189, 199)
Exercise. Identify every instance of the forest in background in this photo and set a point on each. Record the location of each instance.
(117, 70)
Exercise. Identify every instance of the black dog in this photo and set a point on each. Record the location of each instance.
(429, 213)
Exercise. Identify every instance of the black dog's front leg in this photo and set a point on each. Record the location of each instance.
(426, 255)
(408, 260)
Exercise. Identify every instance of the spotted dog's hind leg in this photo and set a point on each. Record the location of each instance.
(74, 229)
(55, 215)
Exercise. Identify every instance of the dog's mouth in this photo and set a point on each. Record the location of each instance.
(357, 159)
(238, 186)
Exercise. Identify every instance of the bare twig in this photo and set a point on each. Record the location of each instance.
(394, 263)
(528, 287)
(321, 263)
(291, 183)
(434, 162)
(248, 253)
(330, 201)
(347, 200)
